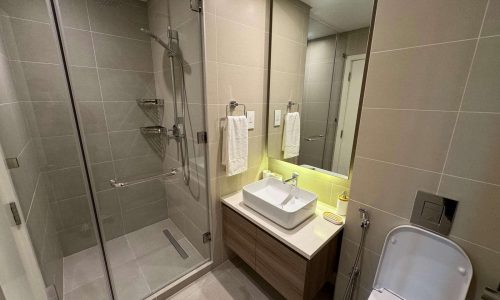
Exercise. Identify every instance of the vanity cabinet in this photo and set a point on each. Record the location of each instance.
(291, 274)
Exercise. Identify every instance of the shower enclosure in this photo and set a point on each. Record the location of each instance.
(101, 110)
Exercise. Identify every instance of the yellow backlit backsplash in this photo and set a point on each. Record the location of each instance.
(327, 187)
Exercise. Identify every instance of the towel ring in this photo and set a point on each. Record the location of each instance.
(232, 105)
(290, 104)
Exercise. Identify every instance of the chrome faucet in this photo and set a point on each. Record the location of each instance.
(294, 179)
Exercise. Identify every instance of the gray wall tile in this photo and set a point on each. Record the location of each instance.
(397, 21)
(475, 148)
(413, 138)
(126, 144)
(126, 85)
(60, 152)
(138, 167)
(85, 84)
(108, 203)
(80, 51)
(121, 53)
(439, 87)
(67, 183)
(125, 116)
(32, 41)
(141, 194)
(53, 118)
(483, 89)
(13, 132)
(74, 13)
(92, 117)
(74, 211)
(76, 238)
(145, 215)
(491, 24)
(123, 20)
(102, 173)
(97, 145)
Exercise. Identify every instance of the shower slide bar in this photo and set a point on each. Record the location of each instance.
(116, 184)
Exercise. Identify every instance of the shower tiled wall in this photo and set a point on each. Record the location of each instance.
(110, 64)
(187, 204)
(431, 122)
(236, 49)
(28, 62)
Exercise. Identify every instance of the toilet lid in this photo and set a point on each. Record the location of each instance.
(418, 264)
(383, 294)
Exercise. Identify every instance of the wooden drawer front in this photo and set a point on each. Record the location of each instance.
(239, 235)
(280, 266)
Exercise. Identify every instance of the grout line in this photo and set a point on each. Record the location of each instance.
(475, 244)
(28, 214)
(410, 109)
(105, 33)
(34, 62)
(470, 179)
(27, 20)
(381, 210)
(395, 164)
(424, 46)
(114, 69)
(462, 98)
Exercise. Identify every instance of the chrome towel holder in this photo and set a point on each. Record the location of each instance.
(232, 106)
(290, 104)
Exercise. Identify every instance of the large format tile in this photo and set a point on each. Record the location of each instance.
(397, 20)
(95, 290)
(475, 219)
(67, 183)
(53, 118)
(32, 41)
(119, 252)
(138, 167)
(404, 137)
(236, 44)
(151, 238)
(129, 282)
(120, 85)
(80, 51)
(437, 72)
(288, 56)
(76, 239)
(369, 262)
(251, 13)
(491, 24)
(85, 84)
(108, 203)
(74, 14)
(389, 187)
(98, 148)
(293, 19)
(483, 89)
(39, 82)
(82, 268)
(240, 82)
(166, 264)
(475, 147)
(125, 144)
(123, 20)
(121, 53)
(60, 152)
(13, 132)
(145, 215)
(92, 117)
(125, 116)
(286, 86)
(102, 173)
(35, 10)
(141, 194)
(74, 211)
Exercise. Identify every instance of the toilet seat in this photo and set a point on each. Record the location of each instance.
(418, 264)
(383, 294)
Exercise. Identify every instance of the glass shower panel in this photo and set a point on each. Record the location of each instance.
(39, 139)
(136, 72)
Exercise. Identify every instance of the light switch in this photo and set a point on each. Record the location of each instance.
(277, 117)
(251, 119)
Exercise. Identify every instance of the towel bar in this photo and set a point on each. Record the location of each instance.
(232, 105)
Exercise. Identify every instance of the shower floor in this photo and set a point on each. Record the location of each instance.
(141, 262)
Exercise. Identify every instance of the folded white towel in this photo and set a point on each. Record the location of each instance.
(291, 135)
(235, 145)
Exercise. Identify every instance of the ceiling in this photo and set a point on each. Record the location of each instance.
(333, 16)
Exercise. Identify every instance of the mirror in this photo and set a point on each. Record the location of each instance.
(318, 53)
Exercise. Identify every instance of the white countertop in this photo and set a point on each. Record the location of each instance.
(307, 238)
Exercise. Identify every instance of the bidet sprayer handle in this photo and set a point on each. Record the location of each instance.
(365, 220)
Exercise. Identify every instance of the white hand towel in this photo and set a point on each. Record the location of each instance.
(235, 145)
(291, 135)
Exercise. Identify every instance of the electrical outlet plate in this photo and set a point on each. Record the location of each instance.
(251, 119)
(277, 118)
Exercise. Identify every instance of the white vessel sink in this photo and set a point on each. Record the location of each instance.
(282, 203)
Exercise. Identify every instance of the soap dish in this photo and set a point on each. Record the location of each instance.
(333, 218)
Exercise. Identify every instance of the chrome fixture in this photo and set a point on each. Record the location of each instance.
(158, 102)
(116, 184)
(171, 52)
(294, 179)
(314, 137)
(232, 106)
(356, 268)
(291, 104)
(179, 127)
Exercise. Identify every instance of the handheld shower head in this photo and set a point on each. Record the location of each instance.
(171, 52)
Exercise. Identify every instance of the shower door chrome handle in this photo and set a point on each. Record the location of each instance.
(314, 138)
(116, 184)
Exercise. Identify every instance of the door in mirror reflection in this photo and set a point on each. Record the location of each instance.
(317, 64)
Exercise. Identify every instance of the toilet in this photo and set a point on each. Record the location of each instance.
(417, 264)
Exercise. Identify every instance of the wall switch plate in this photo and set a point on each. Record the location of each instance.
(251, 119)
(277, 117)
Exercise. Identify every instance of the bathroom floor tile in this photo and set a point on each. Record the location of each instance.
(81, 268)
(95, 290)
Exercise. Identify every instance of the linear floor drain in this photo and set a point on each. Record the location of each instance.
(174, 242)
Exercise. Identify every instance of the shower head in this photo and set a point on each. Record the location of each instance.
(171, 52)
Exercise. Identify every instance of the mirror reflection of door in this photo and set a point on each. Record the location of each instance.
(348, 112)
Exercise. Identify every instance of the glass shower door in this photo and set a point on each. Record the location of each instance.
(136, 73)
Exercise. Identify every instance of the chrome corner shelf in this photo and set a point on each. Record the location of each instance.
(156, 136)
(154, 102)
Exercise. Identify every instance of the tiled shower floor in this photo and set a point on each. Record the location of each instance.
(141, 262)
